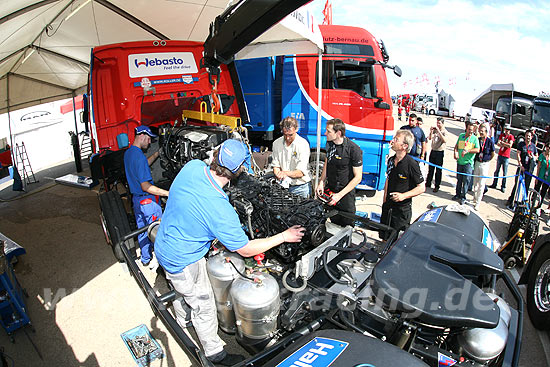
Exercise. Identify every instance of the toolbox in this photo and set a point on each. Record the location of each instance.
(142, 346)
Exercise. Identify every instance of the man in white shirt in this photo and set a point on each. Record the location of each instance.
(291, 158)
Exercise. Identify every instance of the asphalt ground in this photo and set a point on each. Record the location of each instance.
(81, 299)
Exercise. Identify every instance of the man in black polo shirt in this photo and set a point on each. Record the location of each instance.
(342, 169)
(404, 181)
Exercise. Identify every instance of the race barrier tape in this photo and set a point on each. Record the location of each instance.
(460, 173)
(538, 178)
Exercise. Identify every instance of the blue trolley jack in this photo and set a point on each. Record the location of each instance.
(13, 312)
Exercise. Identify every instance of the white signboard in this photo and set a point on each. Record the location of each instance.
(162, 63)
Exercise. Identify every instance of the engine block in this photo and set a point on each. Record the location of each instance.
(180, 145)
(266, 208)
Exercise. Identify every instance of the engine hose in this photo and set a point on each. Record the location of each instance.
(239, 272)
(289, 287)
(325, 261)
(249, 220)
(349, 324)
(365, 238)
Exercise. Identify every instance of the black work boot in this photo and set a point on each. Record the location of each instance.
(225, 359)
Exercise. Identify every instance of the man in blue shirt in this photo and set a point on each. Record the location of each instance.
(197, 212)
(419, 147)
(144, 192)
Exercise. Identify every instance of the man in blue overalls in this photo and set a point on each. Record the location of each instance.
(144, 193)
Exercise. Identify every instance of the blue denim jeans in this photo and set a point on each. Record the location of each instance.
(501, 162)
(146, 211)
(463, 181)
(302, 190)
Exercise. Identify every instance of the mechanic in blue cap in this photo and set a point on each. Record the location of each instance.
(197, 212)
(144, 193)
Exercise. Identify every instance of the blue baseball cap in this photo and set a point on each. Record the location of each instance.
(232, 154)
(142, 129)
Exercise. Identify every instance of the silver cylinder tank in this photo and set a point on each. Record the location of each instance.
(221, 274)
(256, 305)
(483, 345)
(505, 313)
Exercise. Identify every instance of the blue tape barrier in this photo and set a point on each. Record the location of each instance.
(458, 173)
(538, 178)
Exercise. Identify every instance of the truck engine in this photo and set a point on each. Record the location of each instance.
(180, 144)
(437, 301)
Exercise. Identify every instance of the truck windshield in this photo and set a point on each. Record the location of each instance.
(348, 49)
(541, 112)
(503, 105)
(521, 106)
(358, 78)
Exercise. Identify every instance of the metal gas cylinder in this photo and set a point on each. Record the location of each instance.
(152, 231)
(221, 274)
(256, 305)
(505, 313)
(484, 345)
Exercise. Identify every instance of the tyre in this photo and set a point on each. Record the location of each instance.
(312, 166)
(510, 262)
(462, 119)
(538, 289)
(114, 221)
(432, 112)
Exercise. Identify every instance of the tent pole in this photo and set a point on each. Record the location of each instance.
(511, 105)
(9, 121)
(319, 117)
(74, 141)
(74, 113)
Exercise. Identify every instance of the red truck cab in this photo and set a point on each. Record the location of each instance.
(149, 83)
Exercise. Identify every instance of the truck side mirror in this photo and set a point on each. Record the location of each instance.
(380, 104)
(397, 71)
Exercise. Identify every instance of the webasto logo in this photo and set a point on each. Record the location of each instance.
(159, 62)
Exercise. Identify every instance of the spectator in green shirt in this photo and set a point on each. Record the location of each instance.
(465, 150)
(543, 171)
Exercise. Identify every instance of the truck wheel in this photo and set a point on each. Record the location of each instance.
(510, 262)
(312, 166)
(538, 289)
(114, 221)
(432, 112)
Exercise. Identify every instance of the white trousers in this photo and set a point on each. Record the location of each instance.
(480, 169)
(193, 284)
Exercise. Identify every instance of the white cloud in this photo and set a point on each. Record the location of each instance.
(490, 42)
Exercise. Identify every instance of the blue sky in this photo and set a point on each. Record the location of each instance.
(467, 44)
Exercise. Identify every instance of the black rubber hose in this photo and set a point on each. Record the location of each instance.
(325, 261)
(238, 271)
(350, 324)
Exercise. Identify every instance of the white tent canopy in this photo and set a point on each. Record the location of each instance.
(45, 45)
